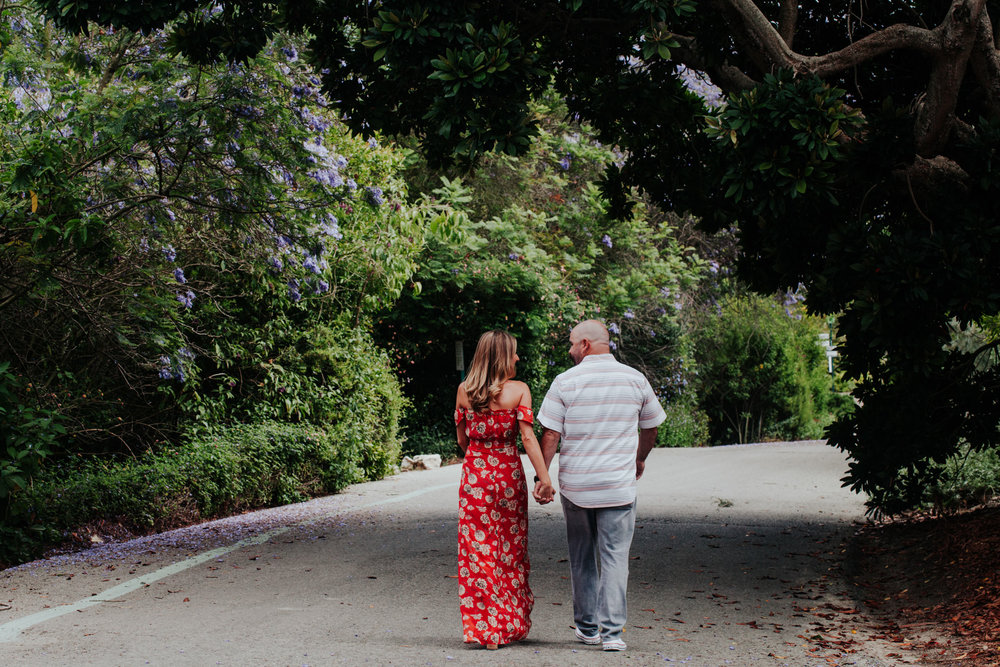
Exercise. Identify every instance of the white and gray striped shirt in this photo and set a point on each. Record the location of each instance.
(597, 407)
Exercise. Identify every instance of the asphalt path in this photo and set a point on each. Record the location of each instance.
(736, 561)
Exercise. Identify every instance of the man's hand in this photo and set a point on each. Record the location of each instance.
(640, 467)
(543, 493)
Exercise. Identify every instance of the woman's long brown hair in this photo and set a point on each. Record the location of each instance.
(492, 365)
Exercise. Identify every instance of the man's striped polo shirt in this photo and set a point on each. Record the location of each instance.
(597, 407)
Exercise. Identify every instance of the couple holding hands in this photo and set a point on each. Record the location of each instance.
(605, 414)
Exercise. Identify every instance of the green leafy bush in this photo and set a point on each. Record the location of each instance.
(28, 435)
(235, 468)
(967, 478)
(331, 375)
(685, 426)
(761, 373)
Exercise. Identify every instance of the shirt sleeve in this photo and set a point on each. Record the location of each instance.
(552, 414)
(459, 416)
(525, 415)
(652, 413)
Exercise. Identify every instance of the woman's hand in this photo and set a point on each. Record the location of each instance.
(543, 492)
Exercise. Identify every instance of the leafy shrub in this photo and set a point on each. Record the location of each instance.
(685, 426)
(761, 373)
(331, 375)
(235, 468)
(431, 437)
(28, 435)
(969, 477)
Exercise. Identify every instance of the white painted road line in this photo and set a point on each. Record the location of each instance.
(11, 630)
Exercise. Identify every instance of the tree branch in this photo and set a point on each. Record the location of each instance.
(958, 35)
(727, 77)
(985, 61)
(788, 18)
(750, 25)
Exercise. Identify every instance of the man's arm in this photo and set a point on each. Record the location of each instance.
(647, 440)
(550, 442)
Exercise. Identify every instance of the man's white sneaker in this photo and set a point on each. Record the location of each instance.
(614, 645)
(590, 641)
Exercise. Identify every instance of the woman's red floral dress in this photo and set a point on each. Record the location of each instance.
(493, 529)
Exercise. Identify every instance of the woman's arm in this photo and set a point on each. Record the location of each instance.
(543, 489)
(461, 401)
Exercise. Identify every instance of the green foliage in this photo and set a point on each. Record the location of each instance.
(28, 435)
(424, 436)
(964, 479)
(157, 213)
(686, 426)
(891, 226)
(330, 375)
(182, 246)
(786, 142)
(234, 469)
(761, 374)
(529, 247)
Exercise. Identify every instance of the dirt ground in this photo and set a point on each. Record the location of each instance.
(933, 584)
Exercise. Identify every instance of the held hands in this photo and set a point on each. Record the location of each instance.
(543, 492)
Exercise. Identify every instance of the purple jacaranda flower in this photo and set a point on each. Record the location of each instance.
(179, 275)
(629, 315)
(309, 264)
(613, 329)
(329, 227)
(165, 372)
(186, 299)
(169, 253)
(374, 195)
(606, 240)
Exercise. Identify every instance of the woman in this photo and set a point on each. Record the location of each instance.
(490, 409)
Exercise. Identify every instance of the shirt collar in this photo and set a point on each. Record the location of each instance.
(597, 357)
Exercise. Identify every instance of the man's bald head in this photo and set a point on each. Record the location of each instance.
(592, 330)
(588, 337)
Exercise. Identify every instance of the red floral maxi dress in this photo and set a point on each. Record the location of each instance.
(493, 529)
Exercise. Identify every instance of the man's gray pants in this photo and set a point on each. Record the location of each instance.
(599, 541)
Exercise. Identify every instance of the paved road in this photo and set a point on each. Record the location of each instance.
(735, 562)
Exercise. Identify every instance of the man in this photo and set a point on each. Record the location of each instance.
(606, 415)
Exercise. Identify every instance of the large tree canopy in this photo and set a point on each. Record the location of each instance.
(856, 152)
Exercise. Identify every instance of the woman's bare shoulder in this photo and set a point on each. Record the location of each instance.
(516, 386)
(515, 393)
(462, 397)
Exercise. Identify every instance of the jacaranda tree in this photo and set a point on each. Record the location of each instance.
(184, 246)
